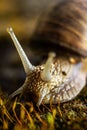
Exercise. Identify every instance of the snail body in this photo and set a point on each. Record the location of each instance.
(62, 77)
(65, 84)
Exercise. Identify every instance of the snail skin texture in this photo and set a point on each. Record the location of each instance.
(56, 80)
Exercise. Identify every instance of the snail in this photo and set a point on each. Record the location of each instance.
(62, 76)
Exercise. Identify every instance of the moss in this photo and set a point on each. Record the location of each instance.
(24, 115)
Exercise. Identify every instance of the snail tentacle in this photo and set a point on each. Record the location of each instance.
(28, 67)
(42, 95)
(46, 74)
(18, 91)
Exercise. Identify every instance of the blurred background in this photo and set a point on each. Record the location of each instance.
(22, 16)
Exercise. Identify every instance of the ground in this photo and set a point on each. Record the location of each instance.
(24, 115)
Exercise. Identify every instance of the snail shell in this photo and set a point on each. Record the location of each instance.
(59, 79)
(63, 27)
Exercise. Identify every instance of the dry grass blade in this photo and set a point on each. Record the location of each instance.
(5, 125)
(28, 115)
(13, 108)
(5, 111)
(40, 119)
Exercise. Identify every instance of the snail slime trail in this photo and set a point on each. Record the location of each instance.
(60, 78)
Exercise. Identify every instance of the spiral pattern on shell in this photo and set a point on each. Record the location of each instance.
(64, 26)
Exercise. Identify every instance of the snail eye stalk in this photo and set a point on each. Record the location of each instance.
(28, 67)
(46, 74)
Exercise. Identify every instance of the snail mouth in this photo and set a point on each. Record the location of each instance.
(30, 97)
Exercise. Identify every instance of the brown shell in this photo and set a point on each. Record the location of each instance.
(65, 26)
